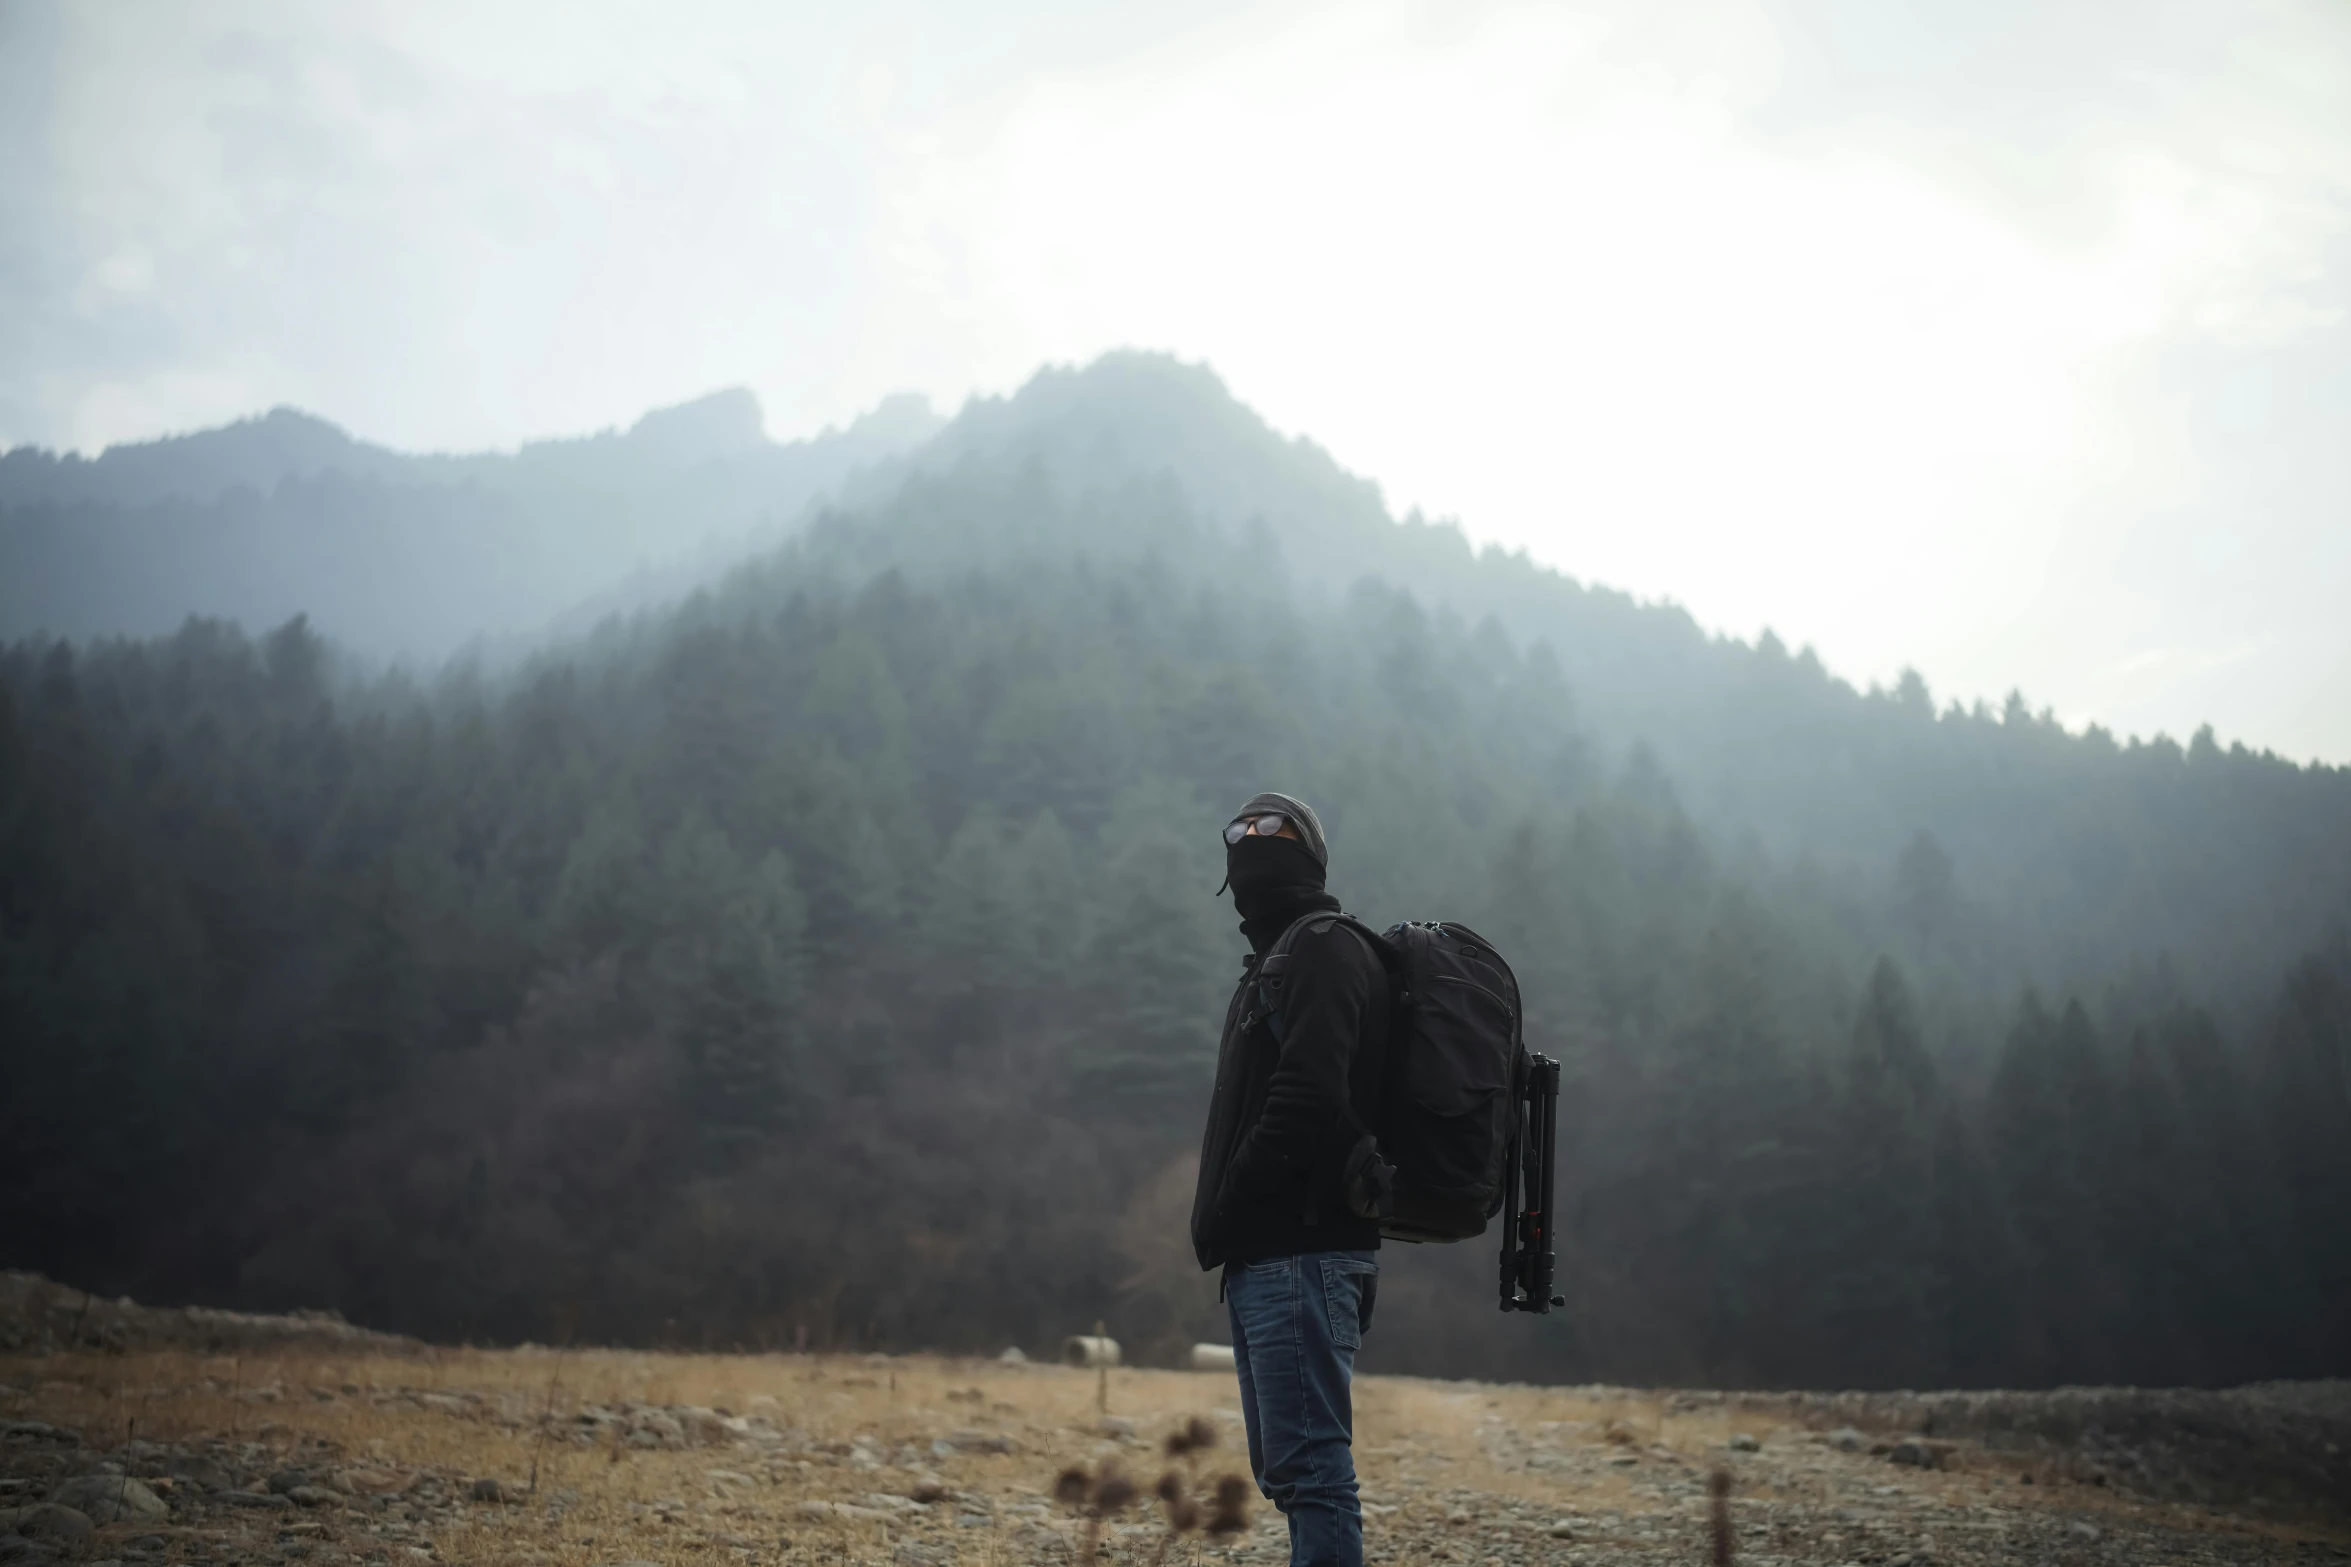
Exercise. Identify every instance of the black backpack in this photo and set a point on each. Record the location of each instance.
(1436, 1163)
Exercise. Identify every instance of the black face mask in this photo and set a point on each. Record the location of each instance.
(1274, 880)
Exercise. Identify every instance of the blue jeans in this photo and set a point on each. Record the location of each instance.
(1297, 1323)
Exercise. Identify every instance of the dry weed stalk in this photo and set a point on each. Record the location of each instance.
(1183, 1514)
(1231, 1514)
(1102, 1379)
(1195, 1435)
(546, 1419)
(1095, 1497)
(122, 1492)
(1718, 1485)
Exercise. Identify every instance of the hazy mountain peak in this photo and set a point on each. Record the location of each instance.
(282, 433)
(722, 424)
(1138, 399)
(901, 420)
(1133, 413)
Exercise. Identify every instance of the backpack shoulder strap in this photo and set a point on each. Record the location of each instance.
(1273, 969)
(1365, 1167)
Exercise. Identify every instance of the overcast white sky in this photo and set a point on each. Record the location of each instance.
(2010, 341)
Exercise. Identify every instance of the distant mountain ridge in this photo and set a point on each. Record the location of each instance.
(397, 554)
(286, 443)
(254, 454)
(672, 501)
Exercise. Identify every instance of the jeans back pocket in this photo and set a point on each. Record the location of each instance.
(1349, 1287)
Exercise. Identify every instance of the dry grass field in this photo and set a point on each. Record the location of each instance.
(539, 1457)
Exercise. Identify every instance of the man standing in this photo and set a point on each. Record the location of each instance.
(1297, 1080)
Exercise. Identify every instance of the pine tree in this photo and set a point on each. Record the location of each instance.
(2306, 1085)
(1882, 1299)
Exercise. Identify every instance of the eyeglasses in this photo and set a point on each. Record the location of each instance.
(1269, 825)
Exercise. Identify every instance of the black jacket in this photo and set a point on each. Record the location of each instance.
(1278, 1133)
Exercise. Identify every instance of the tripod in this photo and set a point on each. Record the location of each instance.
(1527, 1255)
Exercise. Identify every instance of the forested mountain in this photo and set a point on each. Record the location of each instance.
(407, 556)
(835, 951)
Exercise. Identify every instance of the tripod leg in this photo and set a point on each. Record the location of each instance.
(1510, 1215)
(1542, 1186)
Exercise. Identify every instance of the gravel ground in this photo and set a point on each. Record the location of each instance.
(576, 1460)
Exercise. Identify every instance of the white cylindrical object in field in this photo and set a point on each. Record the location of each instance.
(1084, 1349)
(1212, 1357)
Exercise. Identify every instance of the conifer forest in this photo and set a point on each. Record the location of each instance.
(824, 950)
